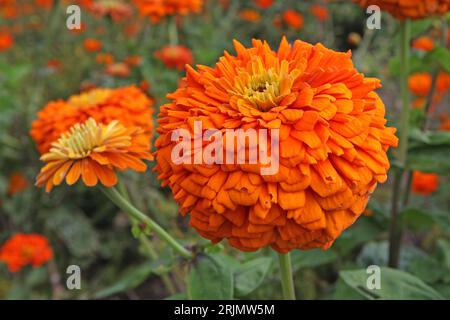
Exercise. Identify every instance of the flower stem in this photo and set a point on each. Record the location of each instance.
(395, 232)
(126, 206)
(173, 31)
(287, 281)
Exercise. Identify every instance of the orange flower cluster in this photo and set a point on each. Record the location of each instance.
(129, 105)
(332, 153)
(17, 183)
(424, 183)
(93, 152)
(423, 43)
(409, 9)
(159, 9)
(6, 41)
(12, 9)
(25, 249)
(420, 85)
(175, 56)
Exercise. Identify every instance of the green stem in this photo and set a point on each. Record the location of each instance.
(287, 281)
(173, 31)
(396, 230)
(405, 36)
(126, 206)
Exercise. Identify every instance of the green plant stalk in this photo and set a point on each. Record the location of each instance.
(287, 282)
(173, 31)
(126, 206)
(395, 232)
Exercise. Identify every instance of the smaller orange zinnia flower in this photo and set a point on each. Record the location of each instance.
(92, 45)
(420, 83)
(264, 4)
(423, 43)
(6, 41)
(93, 152)
(445, 125)
(133, 61)
(250, 15)
(17, 183)
(104, 58)
(293, 19)
(424, 183)
(25, 249)
(320, 12)
(175, 56)
(118, 69)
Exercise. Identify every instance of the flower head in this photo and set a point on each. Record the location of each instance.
(17, 183)
(293, 19)
(25, 249)
(6, 41)
(159, 9)
(333, 141)
(175, 56)
(423, 43)
(118, 10)
(93, 152)
(128, 105)
(92, 45)
(264, 4)
(320, 12)
(424, 183)
(409, 9)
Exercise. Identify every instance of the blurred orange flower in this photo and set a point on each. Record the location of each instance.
(409, 9)
(423, 43)
(6, 41)
(118, 10)
(332, 150)
(158, 9)
(424, 183)
(250, 15)
(17, 183)
(25, 249)
(420, 83)
(104, 58)
(92, 45)
(264, 4)
(133, 61)
(129, 105)
(118, 69)
(320, 12)
(175, 56)
(293, 19)
(93, 152)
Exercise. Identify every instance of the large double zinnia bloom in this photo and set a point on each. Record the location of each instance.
(332, 150)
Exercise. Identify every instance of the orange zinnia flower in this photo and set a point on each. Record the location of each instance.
(333, 144)
(118, 10)
(129, 105)
(320, 12)
(293, 19)
(420, 83)
(409, 9)
(17, 183)
(158, 9)
(25, 249)
(104, 58)
(250, 15)
(424, 183)
(445, 125)
(264, 4)
(423, 43)
(6, 41)
(119, 69)
(93, 152)
(133, 61)
(175, 56)
(92, 45)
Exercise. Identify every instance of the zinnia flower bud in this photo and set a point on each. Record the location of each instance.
(332, 149)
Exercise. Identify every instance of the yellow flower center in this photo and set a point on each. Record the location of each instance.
(90, 98)
(265, 88)
(84, 139)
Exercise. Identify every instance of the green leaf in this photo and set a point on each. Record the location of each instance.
(441, 56)
(416, 220)
(250, 275)
(395, 285)
(129, 280)
(430, 159)
(427, 268)
(444, 248)
(311, 258)
(209, 279)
